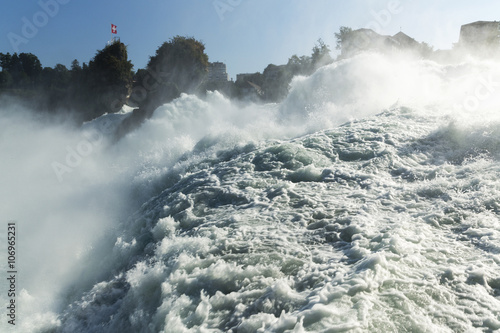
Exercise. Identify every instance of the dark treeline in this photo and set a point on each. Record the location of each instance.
(107, 81)
(86, 91)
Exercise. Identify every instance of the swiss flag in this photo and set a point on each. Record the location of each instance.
(113, 29)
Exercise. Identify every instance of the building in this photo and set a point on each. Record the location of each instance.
(362, 40)
(217, 72)
(480, 35)
(273, 72)
(405, 42)
(243, 77)
(368, 40)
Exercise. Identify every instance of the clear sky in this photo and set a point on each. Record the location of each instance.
(245, 34)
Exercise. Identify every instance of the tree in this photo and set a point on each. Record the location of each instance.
(5, 80)
(111, 67)
(24, 69)
(47, 79)
(61, 77)
(299, 65)
(321, 55)
(31, 66)
(75, 66)
(57, 78)
(342, 36)
(108, 81)
(182, 61)
(15, 68)
(179, 65)
(5, 76)
(76, 77)
(5, 60)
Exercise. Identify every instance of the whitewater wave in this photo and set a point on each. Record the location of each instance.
(366, 201)
(346, 229)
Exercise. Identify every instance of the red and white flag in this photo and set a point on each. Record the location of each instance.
(113, 29)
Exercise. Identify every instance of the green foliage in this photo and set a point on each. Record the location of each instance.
(321, 55)
(111, 67)
(91, 90)
(75, 66)
(299, 65)
(30, 65)
(342, 36)
(179, 65)
(5, 80)
(182, 60)
(107, 80)
(61, 76)
(24, 69)
(5, 60)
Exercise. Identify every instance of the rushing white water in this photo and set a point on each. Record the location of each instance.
(366, 202)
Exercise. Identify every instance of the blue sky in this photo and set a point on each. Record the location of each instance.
(245, 34)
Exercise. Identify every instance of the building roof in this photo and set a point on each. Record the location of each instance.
(368, 32)
(404, 40)
(402, 36)
(480, 23)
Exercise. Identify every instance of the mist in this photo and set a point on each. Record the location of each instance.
(72, 189)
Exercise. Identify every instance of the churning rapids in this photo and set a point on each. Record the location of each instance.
(368, 201)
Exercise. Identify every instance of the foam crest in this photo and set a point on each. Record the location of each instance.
(365, 201)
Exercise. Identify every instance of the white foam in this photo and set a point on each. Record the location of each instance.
(269, 217)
